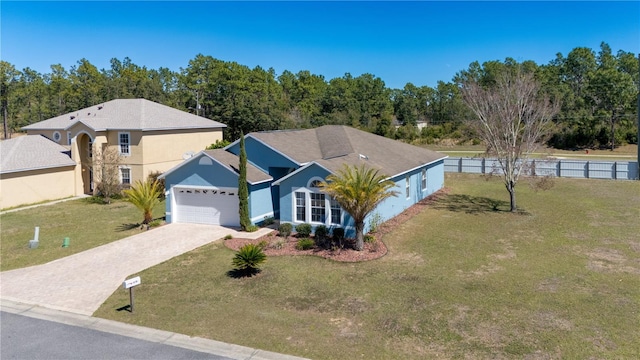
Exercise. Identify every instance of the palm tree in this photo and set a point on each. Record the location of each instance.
(358, 190)
(145, 196)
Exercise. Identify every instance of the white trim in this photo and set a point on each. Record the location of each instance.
(69, 138)
(417, 167)
(423, 179)
(197, 156)
(315, 178)
(124, 167)
(261, 217)
(204, 187)
(307, 206)
(265, 144)
(120, 143)
(277, 182)
(407, 186)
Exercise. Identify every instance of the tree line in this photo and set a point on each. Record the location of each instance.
(597, 92)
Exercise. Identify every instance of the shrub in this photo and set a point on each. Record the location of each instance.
(278, 244)
(321, 234)
(251, 228)
(285, 229)
(155, 223)
(263, 244)
(369, 238)
(268, 221)
(338, 234)
(249, 258)
(305, 244)
(228, 236)
(303, 230)
(374, 222)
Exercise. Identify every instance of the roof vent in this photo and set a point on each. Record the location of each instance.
(100, 107)
(71, 117)
(88, 113)
(365, 157)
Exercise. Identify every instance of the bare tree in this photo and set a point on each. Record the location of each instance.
(512, 118)
(106, 172)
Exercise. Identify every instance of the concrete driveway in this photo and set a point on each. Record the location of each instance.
(80, 283)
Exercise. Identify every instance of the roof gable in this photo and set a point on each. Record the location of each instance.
(128, 114)
(332, 146)
(32, 152)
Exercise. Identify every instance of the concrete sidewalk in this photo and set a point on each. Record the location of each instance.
(80, 283)
(158, 336)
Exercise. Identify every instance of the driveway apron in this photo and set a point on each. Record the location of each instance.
(81, 282)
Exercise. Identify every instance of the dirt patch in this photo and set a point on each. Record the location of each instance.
(278, 246)
(609, 260)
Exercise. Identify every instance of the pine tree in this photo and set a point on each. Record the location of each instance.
(243, 191)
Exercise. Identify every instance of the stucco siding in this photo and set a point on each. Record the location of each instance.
(161, 148)
(260, 206)
(262, 156)
(297, 182)
(27, 187)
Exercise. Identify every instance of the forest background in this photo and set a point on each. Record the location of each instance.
(597, 89)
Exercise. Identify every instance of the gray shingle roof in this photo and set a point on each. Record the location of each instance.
(128, 114)
(32, 152)
(231, 161)
(334, 145)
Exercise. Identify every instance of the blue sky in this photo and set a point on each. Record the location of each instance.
(400, 42)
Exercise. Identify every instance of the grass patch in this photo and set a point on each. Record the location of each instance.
(463, 279)
(86, 223)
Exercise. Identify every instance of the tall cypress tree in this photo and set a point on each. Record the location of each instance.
(243, 191)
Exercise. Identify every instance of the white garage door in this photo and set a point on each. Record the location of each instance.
(206, 206)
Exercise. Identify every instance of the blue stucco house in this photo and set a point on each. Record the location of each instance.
(283, 170)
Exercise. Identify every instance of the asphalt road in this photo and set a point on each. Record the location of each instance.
(27, 338)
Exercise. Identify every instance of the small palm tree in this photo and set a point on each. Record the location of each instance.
(358, 190)
(145, 196)
(249, 258)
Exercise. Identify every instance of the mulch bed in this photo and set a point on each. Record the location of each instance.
(371, 251)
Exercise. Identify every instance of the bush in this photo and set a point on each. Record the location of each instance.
(321, 234)
(228, 236)
(268, 221)
(155, 223)
(303, 230)
(251, 228)
(285, 229)
(305, 244)
(369, 238)
(219, 144)
(278, 244)
(374, 222)
(263, 244)
(249, 258)
(338, 234)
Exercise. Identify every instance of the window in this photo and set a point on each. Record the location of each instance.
(424, 179)
(407, 187)
(57, 136)
(317, 207)
(336, 212)
(125, 176)
(68, 137)
(124, 141)
(301, 207)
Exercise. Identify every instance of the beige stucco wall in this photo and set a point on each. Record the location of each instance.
(162, 151)
(27, 187)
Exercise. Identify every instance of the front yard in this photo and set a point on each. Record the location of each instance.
(462, 279)
(85, 223)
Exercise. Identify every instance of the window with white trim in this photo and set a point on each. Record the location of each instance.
(407, 187)
(317, 207)
(125, 176)
(301, 207)
(68, 137)
(424, 179)
(336, 212)
(124, 140)
(56, 136)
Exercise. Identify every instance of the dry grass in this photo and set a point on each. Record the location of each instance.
(464, 278)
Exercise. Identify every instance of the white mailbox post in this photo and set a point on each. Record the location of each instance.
(130, 284)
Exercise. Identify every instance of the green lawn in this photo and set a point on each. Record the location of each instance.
(462, 279)
(622, 153)
(86, 224)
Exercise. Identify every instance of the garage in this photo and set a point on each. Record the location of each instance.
(213, 206)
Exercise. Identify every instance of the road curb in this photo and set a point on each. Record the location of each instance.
(139, 332)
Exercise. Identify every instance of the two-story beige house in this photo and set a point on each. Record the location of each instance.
(148, 136)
